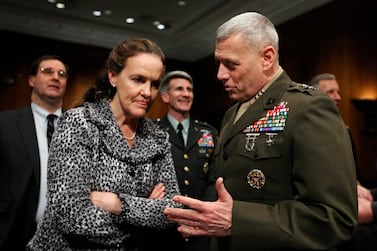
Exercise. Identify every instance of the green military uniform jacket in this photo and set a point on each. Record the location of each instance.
(194, 166)
(288, 164)
(193, 163)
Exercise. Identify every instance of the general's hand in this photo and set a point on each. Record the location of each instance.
(107, 201)
(158, 191)
(364, 193)
(365, 214)
(204, 218)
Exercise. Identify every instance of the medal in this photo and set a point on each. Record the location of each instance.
(270, 138)
(250, 141)
(256, 178)
(206, 140)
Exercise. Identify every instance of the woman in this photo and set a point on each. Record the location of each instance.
(110, 172)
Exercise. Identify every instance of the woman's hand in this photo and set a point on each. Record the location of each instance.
(158, 191)
(107, 201)
(110, 201)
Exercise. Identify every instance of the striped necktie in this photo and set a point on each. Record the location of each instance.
(50, 127)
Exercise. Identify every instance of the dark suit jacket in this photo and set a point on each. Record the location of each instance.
(194, 166)
(19, 178)
(294, 186)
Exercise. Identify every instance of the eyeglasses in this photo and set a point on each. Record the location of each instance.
(50, 71)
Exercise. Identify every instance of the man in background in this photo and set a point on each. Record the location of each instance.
(328, 84)
(192, 153)
(366, 233)
(24, 140)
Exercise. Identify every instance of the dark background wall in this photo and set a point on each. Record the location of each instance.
(338, 37)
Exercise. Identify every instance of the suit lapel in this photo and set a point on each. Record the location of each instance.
(25, 124)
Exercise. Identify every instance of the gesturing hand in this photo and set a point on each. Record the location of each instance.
(365, 212)
(202, 217)
(364, 193)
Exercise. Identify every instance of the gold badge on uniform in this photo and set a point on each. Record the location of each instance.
(205, 167)
(256, 178)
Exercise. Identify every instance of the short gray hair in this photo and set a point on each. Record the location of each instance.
(164, 86)
(324, 76)
(257, 30)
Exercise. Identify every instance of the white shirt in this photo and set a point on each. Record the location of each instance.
(40, 120)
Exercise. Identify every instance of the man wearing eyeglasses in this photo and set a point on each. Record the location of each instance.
(24, 152)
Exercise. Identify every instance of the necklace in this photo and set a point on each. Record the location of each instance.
(130, 138)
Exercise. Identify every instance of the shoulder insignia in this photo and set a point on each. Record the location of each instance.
(204, 124)
(308, 87)
(303, 88)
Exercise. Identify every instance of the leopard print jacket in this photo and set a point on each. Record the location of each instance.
(88, 153)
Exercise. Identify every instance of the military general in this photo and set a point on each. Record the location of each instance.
(287, 175)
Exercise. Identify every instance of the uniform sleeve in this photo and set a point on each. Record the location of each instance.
(323, 209)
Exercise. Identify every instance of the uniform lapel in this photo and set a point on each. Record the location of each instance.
(174, 139)
(256, 111)
(193, 135)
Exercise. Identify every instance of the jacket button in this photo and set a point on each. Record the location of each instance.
(205, 167)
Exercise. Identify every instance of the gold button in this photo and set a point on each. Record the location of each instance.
(205, 167)
(185, 156)
(187, 182)
(186, 168)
